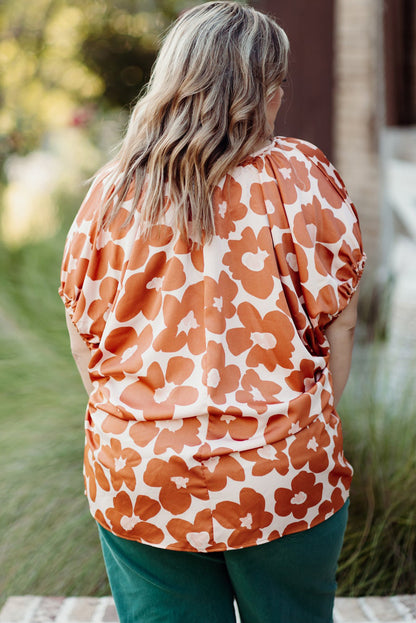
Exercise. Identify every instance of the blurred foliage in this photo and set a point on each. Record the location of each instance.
(66, 60)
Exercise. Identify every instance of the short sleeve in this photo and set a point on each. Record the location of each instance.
(325, 231)
(90, 269)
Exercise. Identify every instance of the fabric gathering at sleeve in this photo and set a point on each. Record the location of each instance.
(325, 231)
(83, 290)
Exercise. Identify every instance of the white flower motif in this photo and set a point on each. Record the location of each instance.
(292, 261)
(222, 209)
(299, 498)
(198, 540)
(312, 444)
(129, 352)
(254, 261)
(247, 521)
(295, 428)
(213, 378)
(286, 173)
(180, 481)
(128, 523)
(119, 464)
(267, 452)
(218, 303)
(162, 393)
(188, 323)
(155, 283)
(265, 340)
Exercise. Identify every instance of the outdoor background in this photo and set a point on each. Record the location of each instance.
(70, 71)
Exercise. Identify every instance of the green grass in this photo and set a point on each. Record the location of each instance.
(379, 424)
(48, 541)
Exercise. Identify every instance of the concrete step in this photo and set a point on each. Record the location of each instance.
(32, 609)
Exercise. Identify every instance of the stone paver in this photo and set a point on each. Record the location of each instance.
(31, 609)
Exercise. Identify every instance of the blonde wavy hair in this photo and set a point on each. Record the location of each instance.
(203, 112)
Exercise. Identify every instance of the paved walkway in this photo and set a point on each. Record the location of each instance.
(31, 609)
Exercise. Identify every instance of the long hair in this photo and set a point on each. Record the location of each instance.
(203, 112)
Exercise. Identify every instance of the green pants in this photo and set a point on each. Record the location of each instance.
(289, 580)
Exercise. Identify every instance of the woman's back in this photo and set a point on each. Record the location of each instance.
(210, 361)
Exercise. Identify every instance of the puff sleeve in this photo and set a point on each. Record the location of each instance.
(325, 231)
(90, 270)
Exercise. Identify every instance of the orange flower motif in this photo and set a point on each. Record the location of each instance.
(195, 536)
(267, 459)
(188, 247)
(99, 309)
(231, 422)
(119, 227)
(251, 261)
(219, 378)
(219, 296)
(157, 396)
(93, 475)
(127, 348)
(142, 433)
(120, 461)
(142, 291)
(308, 447)
(219, 468)
(317, 224)
(227, 207)
(266, 197)
(177, 434)
(302, 495)
(184, 322)
(109, 255)
(292, 175)
(174, 478)
(268, 339)
(302, 380)
(124, 518)
(246, 519)
(257, 394)
(329, 507)
(331, 187)
(351, 260)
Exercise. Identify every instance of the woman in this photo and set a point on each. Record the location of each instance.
(210, 282)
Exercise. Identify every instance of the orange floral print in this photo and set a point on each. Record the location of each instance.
(220, 468)
(246, 519)
(302, 495)
(212, 398)
(257, 393)
(219, 378)
(228, 207)
(309, 448)
(229, 422)
(196, 536)
(131, 346)
(267, 459)
(268, 339)
(184, 321)
(121, 462)
(156, 395)
(251, 262)
(218, 299)
(176, 481)
(124, 518)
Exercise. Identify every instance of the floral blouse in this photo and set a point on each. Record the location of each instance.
(211, 425)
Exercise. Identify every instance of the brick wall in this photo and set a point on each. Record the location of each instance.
(359, 113)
